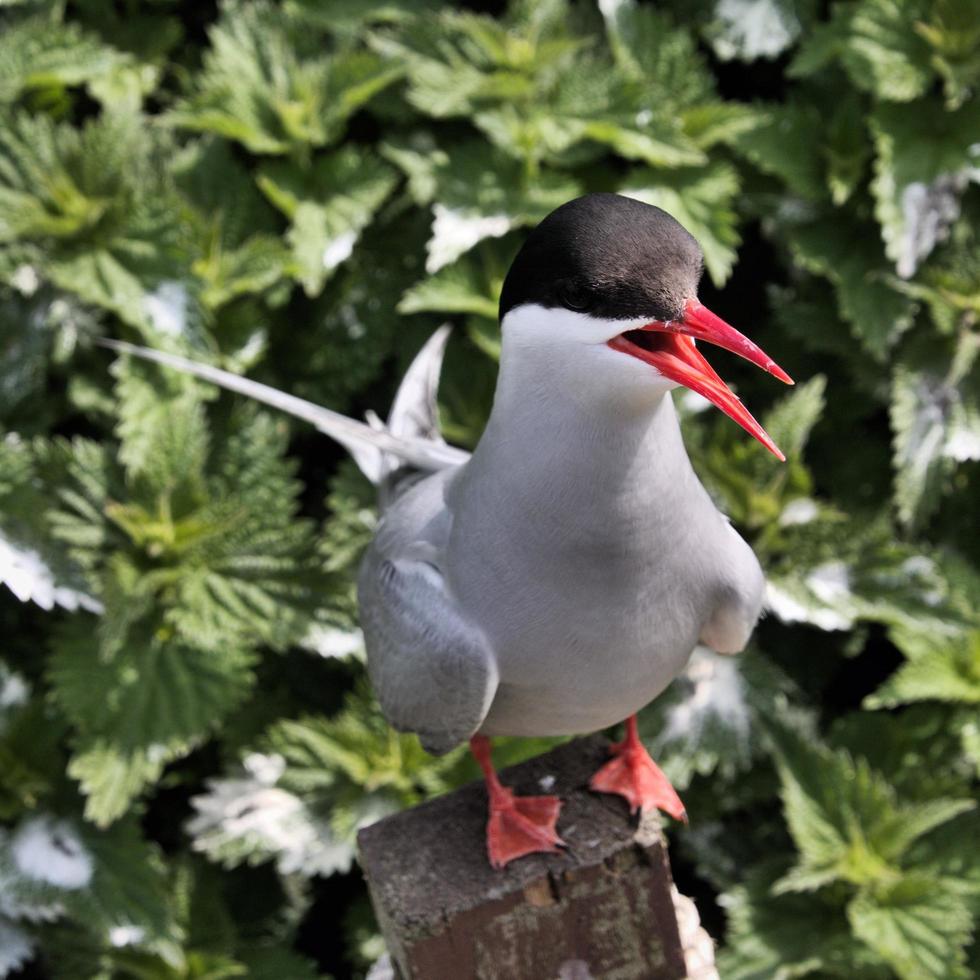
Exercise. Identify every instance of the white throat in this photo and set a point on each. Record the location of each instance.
(572, 417)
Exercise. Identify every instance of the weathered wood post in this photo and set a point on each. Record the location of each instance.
(601, 911)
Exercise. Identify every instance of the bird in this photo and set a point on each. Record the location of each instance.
(557, 579)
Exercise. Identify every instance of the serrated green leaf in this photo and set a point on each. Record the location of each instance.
(40, 53)
(163, 429)
(847, 254)
(536, 95)
(779, 937)
(478, 195)
(951, 28)
(128, 887)
(924, 162)
(652, 49)
(134, 712)
(329, 204)
(845, 818)
(457, 288)
(265, 87)
(785, 142)
(223, 191)
(939, 667)
(878, 46)
(98, 204)
(792, 420)
(717, 122)
(918, 925)
(110, 778)
(846, 148)
(936, 424)
(255, 266)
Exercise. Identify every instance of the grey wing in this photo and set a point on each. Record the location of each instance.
(739, 594)
(433, 672)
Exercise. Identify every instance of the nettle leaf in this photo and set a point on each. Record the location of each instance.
(877, 43)
(778, 937)
(785, 142)
(162, 426)
(111, 778)
(919, 749)
(918, 924)
(951, 28)
(270, 89)
(54, 866)
(478, 194)
(128, 889)
(947, 283)
(349, 16)
(702, 200)
(238, 251)
(847, 253)
(836, 571)
(213, 544)
(792, 419)
(357, 752)
(96, 202)
(538, 91)
(742, 479)
(462, 287)
(844, 817)
(925, 159)
(652, 49)
(942, 667)
(936, 424)
(247, 817)
(330, 203)
(221, 188)
(151, 701)
(252, 268)
(717, 122)
(41, 53)
(750, 29)
(846, 148)
(34, 565)
(459, 62)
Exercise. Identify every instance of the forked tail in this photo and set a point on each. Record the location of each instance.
(382, 451)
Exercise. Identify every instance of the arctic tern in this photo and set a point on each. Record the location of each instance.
(555, 581)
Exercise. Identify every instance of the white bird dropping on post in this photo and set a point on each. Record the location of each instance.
(556, 581)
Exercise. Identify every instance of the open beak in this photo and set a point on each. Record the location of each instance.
(668, 345)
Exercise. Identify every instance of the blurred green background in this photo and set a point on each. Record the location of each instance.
(303, 191)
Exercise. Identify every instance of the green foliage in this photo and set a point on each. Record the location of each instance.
(303, 191)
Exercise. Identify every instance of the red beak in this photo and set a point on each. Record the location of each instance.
(668, 345)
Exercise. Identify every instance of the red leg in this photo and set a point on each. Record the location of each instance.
(518, 825)
(634, 775)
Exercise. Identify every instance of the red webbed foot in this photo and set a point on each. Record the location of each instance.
(520, 825)
(517, 825)
(634, 775)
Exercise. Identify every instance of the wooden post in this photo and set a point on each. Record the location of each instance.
(603, 910)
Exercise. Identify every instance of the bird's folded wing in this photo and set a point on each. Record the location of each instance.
(433, 672)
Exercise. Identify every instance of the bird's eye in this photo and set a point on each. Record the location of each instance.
(575, 296)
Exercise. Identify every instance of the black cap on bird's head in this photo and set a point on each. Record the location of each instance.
(613, 258)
